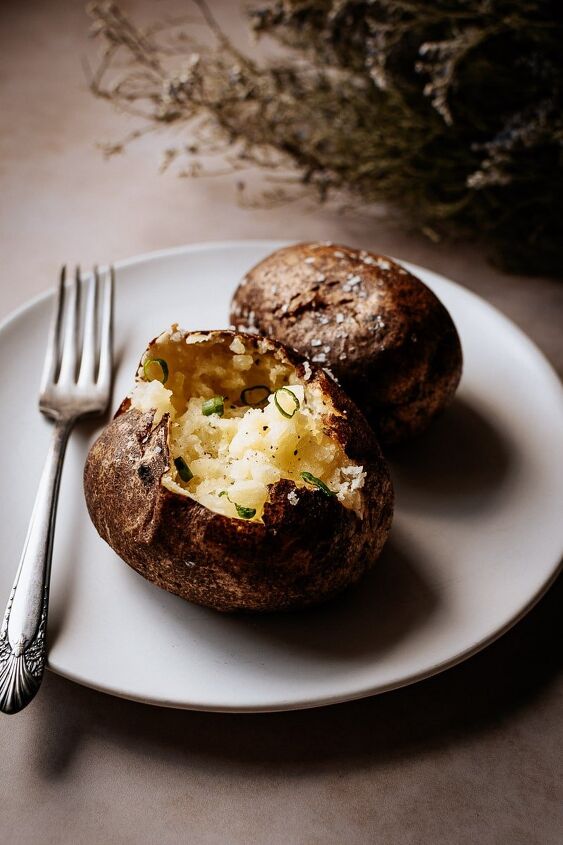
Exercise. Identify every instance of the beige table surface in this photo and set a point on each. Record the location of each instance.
(472, 756)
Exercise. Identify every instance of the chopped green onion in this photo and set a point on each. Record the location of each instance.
(183, 469)
(316, 482)
(213, 406)
(245, 513)
(247, 398)
(156, 369)
(294, 400)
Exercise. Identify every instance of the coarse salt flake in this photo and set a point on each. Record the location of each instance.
(329, 373)
(237, 346)
(378, 323)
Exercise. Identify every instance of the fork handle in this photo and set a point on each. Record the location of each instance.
(23, 648)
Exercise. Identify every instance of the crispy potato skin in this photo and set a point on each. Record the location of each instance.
(300, 555)
(395, 350)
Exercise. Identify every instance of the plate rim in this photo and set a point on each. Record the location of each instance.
(366, 691)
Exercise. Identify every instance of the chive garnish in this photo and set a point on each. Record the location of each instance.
(213, 406)
(294, 399)
(156, 369)
(316, 482)
(244, 513)
(260, 391)
(183, 469)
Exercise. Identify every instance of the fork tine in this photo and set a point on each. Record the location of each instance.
(89, 357)
(51, 363)
(106, 331)
(70, 341)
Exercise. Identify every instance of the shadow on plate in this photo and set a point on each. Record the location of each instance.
(391, 602)
(461, 461)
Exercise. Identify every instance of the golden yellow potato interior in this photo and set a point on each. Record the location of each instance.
(240, 421)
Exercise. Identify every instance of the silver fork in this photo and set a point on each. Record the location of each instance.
(76, 381)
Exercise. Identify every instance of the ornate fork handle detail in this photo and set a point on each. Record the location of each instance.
(23, 635)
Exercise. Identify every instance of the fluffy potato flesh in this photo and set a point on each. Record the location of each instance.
(269, 425)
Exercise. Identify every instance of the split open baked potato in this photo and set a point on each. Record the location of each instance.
(239, 476)
(384, 334)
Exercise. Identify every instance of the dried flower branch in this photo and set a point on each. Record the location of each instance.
(450, 111)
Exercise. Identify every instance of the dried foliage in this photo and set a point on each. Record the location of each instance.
(450, 111)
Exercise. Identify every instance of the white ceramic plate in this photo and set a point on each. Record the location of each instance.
(477, 537)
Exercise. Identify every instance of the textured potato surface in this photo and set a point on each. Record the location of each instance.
(214, 494)
(233, 456)
(384, 334)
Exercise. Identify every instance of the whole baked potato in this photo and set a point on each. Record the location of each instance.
(387, 338)
(239, 476)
